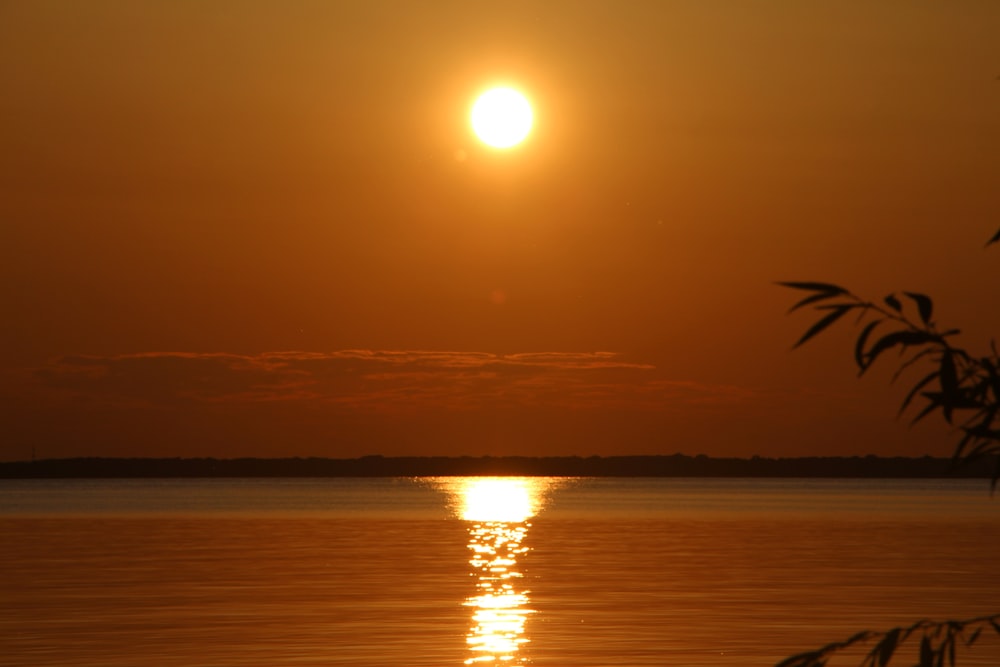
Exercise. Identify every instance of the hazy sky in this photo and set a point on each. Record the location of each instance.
(246, 228)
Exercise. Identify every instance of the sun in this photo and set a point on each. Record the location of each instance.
(501, 117)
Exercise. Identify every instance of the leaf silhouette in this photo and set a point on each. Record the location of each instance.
(949, 376)
(812, 299)
(815, 287)
(911, 361)
(859, 347)
(894, 303)
(945, 633)
(994, 239)
(904, 338)
(924, 305)
(926, 652)
(933, 404)
(916, 388)
(962, 444)
(887, 647)
(834, 315)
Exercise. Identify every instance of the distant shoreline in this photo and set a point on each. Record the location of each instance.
(677, 465)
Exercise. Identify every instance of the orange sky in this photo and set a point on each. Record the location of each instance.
(240, 228)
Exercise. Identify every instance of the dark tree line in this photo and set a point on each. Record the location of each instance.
(677, 465)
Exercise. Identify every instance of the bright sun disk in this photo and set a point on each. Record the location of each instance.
(501, 117)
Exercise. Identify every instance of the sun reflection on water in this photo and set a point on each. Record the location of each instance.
(500, 609)
(499, 499)
(498, 509)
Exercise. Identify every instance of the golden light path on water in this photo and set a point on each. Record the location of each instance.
(498, 510)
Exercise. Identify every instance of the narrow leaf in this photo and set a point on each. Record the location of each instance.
(913, 392)
(904, 338)
(859, 347)
(912, 360)
(887, 647)
(932, 404)
(947, 408)
(924, 305)
(894, 303)
(994, 379)
(994, 239)
(815, 287)
(949, 376)
(926, 652)
(834, 315)
(982, 448)
(983, 432)
(812, 299)
(960, 447)
(862, 636)
(836, 306)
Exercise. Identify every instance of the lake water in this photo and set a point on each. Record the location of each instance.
(451, 571)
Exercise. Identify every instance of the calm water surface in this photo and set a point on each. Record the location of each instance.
(452, 571)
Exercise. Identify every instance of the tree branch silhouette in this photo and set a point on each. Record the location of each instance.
(964, 388)
(938, 645)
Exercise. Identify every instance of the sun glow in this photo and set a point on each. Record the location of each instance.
(498, 499)
(501, 117)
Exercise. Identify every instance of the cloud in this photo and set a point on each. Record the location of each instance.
(379, 380)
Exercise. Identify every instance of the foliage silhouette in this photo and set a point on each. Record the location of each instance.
(966, 391)
(963, 387)
(939, 642)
